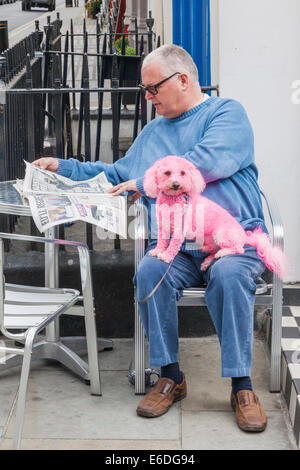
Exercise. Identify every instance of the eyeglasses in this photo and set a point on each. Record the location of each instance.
(153, 88)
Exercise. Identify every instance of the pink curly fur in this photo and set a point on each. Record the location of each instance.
(183, 213)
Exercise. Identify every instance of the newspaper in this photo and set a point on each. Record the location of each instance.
(55, 200)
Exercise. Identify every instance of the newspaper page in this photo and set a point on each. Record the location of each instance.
(43, 181)
(55, 200)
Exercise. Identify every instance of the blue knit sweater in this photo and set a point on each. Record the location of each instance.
(215, 135)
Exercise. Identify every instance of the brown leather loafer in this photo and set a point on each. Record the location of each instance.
(249, 413)
(158, 401)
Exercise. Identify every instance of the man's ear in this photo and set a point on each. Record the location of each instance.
(184, 81)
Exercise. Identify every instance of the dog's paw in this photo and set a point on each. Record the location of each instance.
(165, 257)
(207, 262)
(154, 252)
(204, 266)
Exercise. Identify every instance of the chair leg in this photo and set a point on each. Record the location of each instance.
(92, 350)
(23, 389)
(276, 336)
(139, 353)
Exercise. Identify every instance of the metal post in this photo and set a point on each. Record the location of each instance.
(3, 35)
(87, 128)
(72, 63)
(150, 23)
(52, 278)
(100, 99)
(3, 175)
(115, 119)
(30, 114)
(66, 103)
(4, 220)
(81, 105)
(86, 110)
(58, 109)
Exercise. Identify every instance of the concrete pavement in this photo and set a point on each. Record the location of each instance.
(61, 413)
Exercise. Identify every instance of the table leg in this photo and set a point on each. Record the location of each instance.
(52, 278)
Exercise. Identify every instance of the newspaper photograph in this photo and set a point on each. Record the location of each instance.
(55, 200)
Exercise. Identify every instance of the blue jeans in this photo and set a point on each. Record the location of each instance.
(230, 296)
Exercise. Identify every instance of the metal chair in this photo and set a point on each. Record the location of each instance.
(266, 294)
(31, 309)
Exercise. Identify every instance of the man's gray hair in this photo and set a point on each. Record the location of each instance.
(173, 59)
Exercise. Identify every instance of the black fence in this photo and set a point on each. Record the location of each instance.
(60, 90)
(4, 2)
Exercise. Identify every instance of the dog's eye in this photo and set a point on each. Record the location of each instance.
(167, 173)
(182, 173)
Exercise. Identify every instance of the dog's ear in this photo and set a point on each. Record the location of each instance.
(199, 183)
(150, 181)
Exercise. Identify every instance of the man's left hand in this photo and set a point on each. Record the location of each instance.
(129, 185)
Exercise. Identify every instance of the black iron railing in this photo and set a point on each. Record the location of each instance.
(54, 97)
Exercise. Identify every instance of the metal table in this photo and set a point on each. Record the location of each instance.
(65, 350)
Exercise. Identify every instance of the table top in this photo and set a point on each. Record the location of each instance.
(11, 202)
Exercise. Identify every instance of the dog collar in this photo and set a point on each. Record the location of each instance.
(186, 196)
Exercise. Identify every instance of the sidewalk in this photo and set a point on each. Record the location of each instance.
(61, 413)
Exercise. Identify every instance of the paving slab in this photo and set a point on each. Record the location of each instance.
(216, 430)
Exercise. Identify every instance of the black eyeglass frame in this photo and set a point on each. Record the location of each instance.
(153, 88)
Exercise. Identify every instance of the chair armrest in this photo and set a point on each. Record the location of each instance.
(275, 219)
(83, 252)
(277, 284)
(34, 239)
(139, 232)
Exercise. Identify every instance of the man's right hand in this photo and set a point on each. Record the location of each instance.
(47, 163)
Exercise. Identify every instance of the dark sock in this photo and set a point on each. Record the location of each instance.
(240, 383)
(172, 371)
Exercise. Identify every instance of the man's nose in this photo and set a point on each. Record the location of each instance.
(148, 95)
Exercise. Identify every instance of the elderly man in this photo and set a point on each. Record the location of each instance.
(215, 134)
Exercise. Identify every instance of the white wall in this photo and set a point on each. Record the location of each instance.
(259, 59)
(162, 14)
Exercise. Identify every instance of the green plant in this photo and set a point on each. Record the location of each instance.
(96, 7)
(117, 47)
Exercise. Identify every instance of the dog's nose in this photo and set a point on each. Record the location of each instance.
(175, 185)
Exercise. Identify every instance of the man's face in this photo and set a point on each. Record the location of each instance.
(168, 101)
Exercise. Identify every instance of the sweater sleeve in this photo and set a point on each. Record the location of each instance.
(124, 169)
(227, 145)
(115, 172)
(78, 171)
